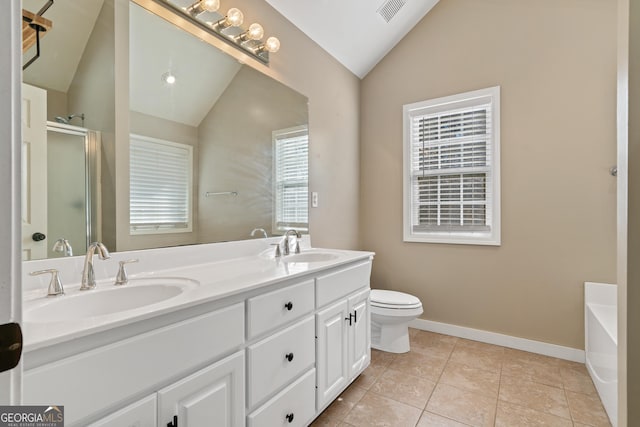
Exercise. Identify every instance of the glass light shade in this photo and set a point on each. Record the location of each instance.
(256, 32)
(210, 5)
(234, 18)
(272, 45)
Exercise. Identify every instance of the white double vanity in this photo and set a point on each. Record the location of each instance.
(223, 334)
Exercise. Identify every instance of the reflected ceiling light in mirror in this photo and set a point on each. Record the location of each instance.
(203, 6)
(227, 27)
(168, 78)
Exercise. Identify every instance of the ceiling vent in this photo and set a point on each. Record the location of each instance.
(390, 8)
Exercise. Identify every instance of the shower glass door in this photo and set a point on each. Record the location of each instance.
(71, 187)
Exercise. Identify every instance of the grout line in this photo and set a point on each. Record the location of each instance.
(495, 418)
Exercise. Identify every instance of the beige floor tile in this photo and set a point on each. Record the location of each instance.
(344, 403)
(466, 407)
(587, 410)
(536, 396)
(509, 415)
(396, 385)
(413, 331)
(419, 365)
(369, 375)
(326, 421)
(532, 367)
(381, 357)
(430, 343)
(471, 379)
(429, 419)
(575, 377)
(476, 358)
(374, 410)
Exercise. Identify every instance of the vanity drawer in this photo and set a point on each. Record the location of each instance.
(295, 403)
(341, 283)
(275, 361)
(276, 308)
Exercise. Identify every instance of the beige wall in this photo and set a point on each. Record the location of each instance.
(92, 92)
(236, 154)
(57, 106)
(333, 94)
(555, 63)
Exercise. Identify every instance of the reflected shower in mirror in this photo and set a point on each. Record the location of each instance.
(204, 132)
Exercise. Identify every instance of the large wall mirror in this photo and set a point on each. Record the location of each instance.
(215, 148)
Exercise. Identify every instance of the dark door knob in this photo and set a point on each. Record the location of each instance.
(289, 357)
(37, 237)
(289, 306)
(289, 417)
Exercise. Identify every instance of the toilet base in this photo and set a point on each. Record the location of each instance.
(392, 338)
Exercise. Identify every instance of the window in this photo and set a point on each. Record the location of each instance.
(160, 186)
(291, 179)
(452, 169)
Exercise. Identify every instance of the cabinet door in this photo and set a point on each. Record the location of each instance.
(139, 414)
(213, 396)
(332, 329)
(359, 333)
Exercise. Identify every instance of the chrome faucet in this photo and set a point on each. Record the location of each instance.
(287, 242)
(63, 246)
(88, 277)
(259, 230)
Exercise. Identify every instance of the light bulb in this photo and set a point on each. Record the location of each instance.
(234, 18)
(255, 32)
(210, 5)
(272, 45)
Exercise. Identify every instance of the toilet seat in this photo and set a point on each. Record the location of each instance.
(393, 300)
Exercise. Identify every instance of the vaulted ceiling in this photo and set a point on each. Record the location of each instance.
(358, 33)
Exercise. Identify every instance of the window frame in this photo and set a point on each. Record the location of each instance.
(442, 105)
(275, 228)
(190, 198)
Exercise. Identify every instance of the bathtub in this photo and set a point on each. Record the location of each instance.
(601, 343)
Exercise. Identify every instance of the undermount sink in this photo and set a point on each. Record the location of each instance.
(108, 299)
(310, 257)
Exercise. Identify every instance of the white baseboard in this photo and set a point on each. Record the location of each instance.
(539, 347)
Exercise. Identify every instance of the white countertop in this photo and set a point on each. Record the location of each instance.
(231, 270)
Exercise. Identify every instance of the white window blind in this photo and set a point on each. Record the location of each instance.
(160, 186)
(451, 163)
(291, 179)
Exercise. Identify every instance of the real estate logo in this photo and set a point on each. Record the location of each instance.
(32, 416)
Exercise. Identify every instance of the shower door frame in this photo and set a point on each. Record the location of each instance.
(93, 194)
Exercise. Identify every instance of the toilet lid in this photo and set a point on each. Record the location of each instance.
(393, 299)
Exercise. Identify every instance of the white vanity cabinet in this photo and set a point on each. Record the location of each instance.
(343, 330)
(274, 355)
(213, 396)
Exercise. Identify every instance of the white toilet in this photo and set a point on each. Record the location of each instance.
(391, 313)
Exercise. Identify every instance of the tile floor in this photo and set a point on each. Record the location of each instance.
(447, 381)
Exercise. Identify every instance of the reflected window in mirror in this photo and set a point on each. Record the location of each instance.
(160, 186)
(291, 179)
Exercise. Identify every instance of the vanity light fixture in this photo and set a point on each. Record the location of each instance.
(255, 32)
(234, 18)
(227, 27)
(203, 6)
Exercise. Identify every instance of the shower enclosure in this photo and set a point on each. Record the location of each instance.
(73, 187)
